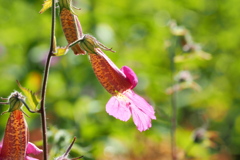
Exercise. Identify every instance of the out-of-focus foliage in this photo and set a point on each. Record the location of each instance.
(139, 32)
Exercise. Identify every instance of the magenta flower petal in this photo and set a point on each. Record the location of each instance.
(131, 76)
(141, 103)
(118, 108)
(127, 103)
(32, 149)
(141, 120)
(142, 112)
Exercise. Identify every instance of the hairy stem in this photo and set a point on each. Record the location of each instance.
(42, 110)
(173, 101)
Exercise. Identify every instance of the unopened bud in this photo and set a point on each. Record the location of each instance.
(90, 44)
(15, 101)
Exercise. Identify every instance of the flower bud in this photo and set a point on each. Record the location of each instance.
(70, 25)
(90, 44)
(15, 101)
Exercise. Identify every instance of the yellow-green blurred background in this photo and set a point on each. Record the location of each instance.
(139, 32)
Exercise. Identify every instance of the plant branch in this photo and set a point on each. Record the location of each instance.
(42, 110)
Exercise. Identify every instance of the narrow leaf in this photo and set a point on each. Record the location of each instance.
(31, 98)
(47, 4)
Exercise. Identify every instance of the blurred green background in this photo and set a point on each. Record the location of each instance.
(139, 32)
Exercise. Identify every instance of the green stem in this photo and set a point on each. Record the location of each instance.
(173, 101)
(44, 85)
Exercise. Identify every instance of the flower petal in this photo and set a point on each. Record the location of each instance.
(142, 112)
(141, 103)
(141, 120)
(33, 149)
(118, 108)
(131, 76)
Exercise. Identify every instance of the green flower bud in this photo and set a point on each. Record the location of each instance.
(15, 101)
(90, 44)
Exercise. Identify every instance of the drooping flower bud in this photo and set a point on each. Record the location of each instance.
(70, 25)
(15, 145)
(15, 138)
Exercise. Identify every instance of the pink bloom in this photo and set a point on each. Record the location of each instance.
(120, 83)
(15, 145)
(123, 105)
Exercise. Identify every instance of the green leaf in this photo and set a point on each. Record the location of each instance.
(47, 4)
(31, 98)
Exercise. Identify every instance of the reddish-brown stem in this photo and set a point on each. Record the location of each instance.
(42, 110)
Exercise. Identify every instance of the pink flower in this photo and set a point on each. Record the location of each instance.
(124, 104)
(120, 84)
(15, 145)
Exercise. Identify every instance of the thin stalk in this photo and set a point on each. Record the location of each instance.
(42, 110)
(75, 42)
(173, 101)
